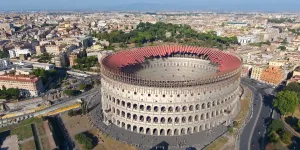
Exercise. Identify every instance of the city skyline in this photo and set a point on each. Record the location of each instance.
(154, 5)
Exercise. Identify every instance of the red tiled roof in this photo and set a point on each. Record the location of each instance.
(227, 62)
(32, 79)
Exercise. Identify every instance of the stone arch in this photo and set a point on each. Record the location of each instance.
(207, 115)
(128, 127)
(190, 119)
(182, 131)
(202, 127)
(142, 118)
(118, 112)
(191, 108)
(162, 132)
(148, 119)
(170, 120)
(176, 132)
(148, 108)
(197, 107)
(163, 109)
(128, 116)
(212, 114)
(196, 118)
(155, 109)
(155, 132)
(129, 105)
(169, 132)
(142, 107)
(189, 130)
(135, 106)
(207, 126)
(118, 122)
(141, 130)
(170, 109)
(134, 117)
(134, 129)
(213, 104)
(148, 131)
(218, 102)
(208, 105)
(217, 112)
(176, 120)
(123, 114)
(183, 119)
(123, 125)
(155, 120)
(118, 102)
(177, 109)
(203, 106)
(184, 109)
(196, 129)
(162, 120)
(123, 103)
(202, 117)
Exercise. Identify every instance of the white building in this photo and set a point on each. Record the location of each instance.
(43, 66)
(4, 64)
(244, 40)
(13, 53)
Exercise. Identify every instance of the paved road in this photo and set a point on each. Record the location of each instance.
(253, 135)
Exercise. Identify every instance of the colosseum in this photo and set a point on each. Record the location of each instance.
(170, 90)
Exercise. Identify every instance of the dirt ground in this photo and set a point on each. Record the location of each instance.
(80, 123)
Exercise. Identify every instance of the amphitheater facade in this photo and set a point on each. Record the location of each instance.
(170, 90)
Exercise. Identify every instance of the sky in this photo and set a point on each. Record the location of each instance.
(153, 5)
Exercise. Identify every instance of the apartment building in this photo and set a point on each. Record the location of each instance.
(28, 85)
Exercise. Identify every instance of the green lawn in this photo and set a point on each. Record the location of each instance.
(23, 132)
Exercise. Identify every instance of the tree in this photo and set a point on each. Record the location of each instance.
(273, 137)
(235, 124)
(283, 48)
(298, 123)
(293, 86)
(3, 88)
(84, 140)
(286, 102)
(286, 137)
(230, 129)
(82, 86)
(275, 126)
(71, 113)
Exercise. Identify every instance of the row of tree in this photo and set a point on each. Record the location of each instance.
(44, 74)
(288, 100)
(281, 20)
(85, 141)
(276, 132)
(85, 63)
(167, 32)
(11, 93)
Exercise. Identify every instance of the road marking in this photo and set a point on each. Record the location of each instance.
(255, 122)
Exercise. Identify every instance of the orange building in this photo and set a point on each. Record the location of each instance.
(272, 75)
(72, 58)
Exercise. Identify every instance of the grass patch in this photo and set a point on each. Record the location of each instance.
(23, 132)
(218, 144)
(244, 109)
(22, 123)
(30, 145)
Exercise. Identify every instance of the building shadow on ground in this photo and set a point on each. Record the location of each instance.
(161, 146)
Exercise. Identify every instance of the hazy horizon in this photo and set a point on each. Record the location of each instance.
(153, 5)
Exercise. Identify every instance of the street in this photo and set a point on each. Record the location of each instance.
(252, 137)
